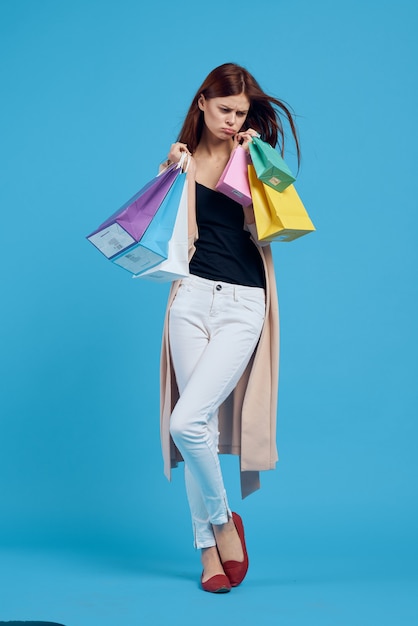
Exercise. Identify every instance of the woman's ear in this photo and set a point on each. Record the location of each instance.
(201, 102)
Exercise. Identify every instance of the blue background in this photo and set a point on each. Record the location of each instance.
(93, 94)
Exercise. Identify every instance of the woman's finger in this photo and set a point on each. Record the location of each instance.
(176, 150)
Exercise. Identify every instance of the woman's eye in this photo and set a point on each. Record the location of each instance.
(226, 110)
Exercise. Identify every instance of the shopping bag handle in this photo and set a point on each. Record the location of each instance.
(184, 157)
(176, 166)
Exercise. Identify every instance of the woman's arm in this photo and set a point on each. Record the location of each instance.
(244, 139)
(251, 227)
(191, 199)
(249, 214)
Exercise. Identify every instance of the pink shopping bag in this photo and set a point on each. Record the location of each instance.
(234, 179)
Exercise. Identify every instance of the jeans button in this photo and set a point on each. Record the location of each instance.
(218, 287)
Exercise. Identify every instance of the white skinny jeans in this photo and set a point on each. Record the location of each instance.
(214, 328)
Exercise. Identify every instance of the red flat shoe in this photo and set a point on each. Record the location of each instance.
(217, 584)
(237, 570)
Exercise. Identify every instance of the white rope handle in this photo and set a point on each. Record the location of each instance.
(183, 158)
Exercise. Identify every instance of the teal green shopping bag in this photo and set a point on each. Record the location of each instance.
(269, 165)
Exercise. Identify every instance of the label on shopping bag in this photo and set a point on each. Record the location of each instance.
(112, 240)
(274, 181)
(138, 259)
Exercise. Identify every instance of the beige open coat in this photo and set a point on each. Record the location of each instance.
(247, 418)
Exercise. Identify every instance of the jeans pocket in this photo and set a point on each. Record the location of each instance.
(183, 292)
(253, 304)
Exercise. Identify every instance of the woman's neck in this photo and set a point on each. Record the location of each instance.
(210, 147)
(211, 156)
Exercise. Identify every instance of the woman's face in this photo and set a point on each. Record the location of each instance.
(224, 117)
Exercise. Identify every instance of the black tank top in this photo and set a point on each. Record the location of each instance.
(224, 250)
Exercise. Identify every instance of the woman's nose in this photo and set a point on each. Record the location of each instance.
(230, 119)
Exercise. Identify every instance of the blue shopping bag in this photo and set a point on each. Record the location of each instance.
(176, 265)
(153, 246)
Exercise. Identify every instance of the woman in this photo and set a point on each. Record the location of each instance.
(219, 366)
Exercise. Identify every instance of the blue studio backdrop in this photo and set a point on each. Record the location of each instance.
(93, 94)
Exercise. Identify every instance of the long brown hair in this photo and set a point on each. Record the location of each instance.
(264, 114)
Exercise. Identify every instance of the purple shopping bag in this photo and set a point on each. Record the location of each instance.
(125, 228)
(234, 179)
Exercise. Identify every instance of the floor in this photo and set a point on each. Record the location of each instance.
(80, 589)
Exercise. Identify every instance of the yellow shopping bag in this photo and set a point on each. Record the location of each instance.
(279, 216)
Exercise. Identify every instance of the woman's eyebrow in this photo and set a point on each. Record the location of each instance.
(224, 106)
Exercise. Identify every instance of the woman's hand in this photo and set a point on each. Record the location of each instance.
(176, 151)
(244, 138)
